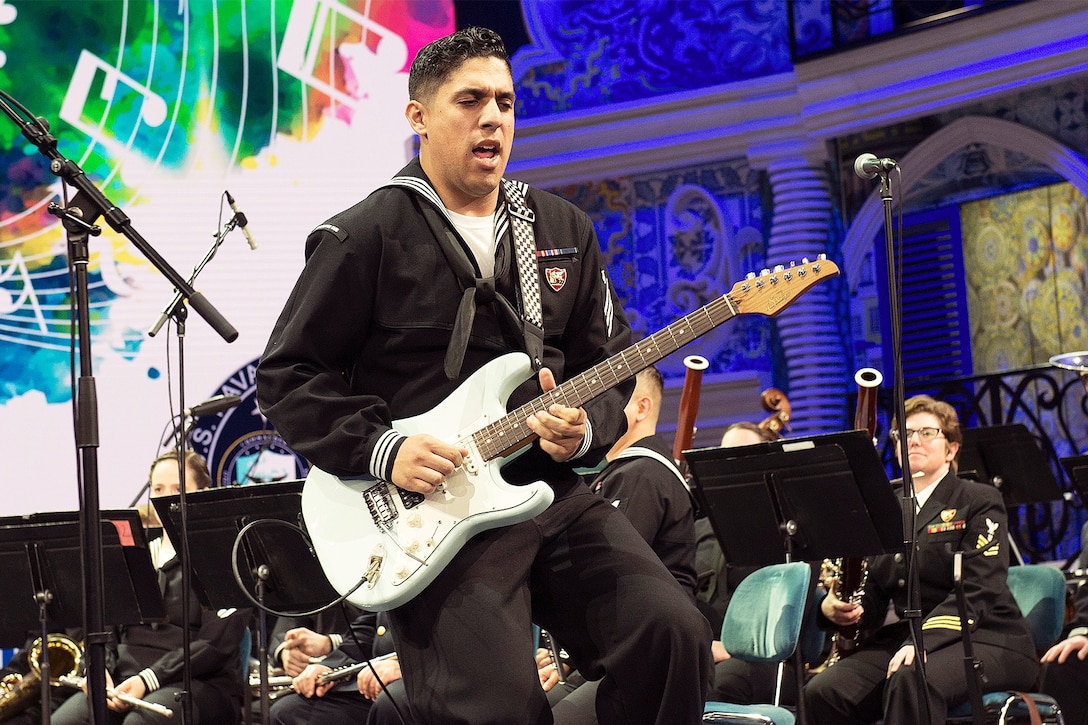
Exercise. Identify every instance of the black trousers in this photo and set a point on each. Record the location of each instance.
(210, 707)
(856, 691)
(582, 572)
(1068, 684)
(335, 707)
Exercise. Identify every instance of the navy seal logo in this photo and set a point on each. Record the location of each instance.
(239, 444)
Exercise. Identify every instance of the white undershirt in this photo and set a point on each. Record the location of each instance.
(479, 233)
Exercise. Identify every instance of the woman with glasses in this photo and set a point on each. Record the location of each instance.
(881, 679)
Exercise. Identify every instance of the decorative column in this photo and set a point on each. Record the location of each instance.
(816, 355)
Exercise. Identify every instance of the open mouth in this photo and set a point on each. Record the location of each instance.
(486, 150)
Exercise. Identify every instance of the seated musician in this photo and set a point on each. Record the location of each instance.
(739, 681)
(349, 700)
(641, 480)
(881, 678)
(1065, 665)
(146, 666)
(296, 642)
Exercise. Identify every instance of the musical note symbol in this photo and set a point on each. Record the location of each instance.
(9, 303)
(152, 105)
(313, 20)
(7, 17)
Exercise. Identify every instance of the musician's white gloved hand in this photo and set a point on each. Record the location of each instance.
(561, 429)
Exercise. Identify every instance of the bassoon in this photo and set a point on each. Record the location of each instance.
(852, 572)
(689, 408)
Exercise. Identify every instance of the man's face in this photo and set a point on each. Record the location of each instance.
(466, 131)
(165, 482)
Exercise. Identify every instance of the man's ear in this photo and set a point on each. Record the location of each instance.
(415, 113)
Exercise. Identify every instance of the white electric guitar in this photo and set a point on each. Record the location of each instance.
(385, 544)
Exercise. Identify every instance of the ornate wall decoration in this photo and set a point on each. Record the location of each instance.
(677, 239)
(587, 54)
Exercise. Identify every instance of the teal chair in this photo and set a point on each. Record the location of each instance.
(1039, 591)
(763, 624)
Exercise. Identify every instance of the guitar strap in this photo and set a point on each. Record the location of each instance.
(482, 290)
(521, 219)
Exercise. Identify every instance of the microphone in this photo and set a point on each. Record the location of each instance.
(211, 406)
(867, 166)
(241, 221)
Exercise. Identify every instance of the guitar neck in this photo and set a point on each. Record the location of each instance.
(494, 439)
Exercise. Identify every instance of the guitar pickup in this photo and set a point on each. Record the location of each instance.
(410, 499)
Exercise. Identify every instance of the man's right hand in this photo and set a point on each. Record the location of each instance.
(423, 462)
(299, 645)
(306, 683)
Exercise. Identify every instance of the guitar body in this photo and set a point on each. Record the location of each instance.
(381, 545)
(401, 540)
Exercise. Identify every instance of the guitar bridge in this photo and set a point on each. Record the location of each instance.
(379, 502)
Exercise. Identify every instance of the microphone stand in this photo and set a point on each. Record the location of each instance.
(913, 612)
(178, 299)
(78, 219)
(177, 310)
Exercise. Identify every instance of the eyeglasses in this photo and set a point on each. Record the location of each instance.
(925, 434)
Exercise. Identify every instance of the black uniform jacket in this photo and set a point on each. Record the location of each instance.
(958, 516)
(363, 337)
(657, 504)
(154, 651)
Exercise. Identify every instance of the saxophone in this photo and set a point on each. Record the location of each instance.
(18, 692)
(851, 574)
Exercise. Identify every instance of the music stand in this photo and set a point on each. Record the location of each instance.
(805, 499)
(276, 565)
(1076, 467)
(1008, 457)
(40, 552)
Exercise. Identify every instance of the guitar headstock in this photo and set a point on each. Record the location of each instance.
(772, 290)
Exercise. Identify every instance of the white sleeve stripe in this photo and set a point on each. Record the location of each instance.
(380, 458)
(608, 311)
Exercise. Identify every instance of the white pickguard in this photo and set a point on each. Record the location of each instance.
(360, 523)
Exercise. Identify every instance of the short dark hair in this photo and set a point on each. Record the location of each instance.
(438, 59)
(944, 413)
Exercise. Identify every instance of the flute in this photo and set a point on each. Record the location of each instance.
(78, 682)
(345, 671)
